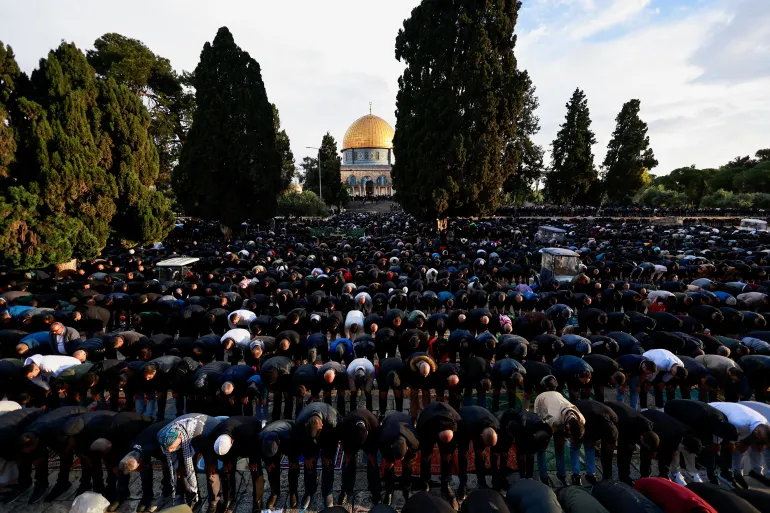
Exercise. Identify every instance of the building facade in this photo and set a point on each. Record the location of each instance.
(367, 157)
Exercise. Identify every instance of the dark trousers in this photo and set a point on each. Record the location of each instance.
(665, 458)
(310, 452)
(340, 398)
(349, 468)
(463, 446)
(389, 476)
(426, 456)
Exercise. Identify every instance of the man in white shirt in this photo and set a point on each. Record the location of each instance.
(236, 342)
(360, 377)
(241, 319)
(759, 457)
(354, 324)
(753, 432)
(669, 365)
(41, 369)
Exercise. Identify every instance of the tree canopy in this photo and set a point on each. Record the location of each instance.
(283, 145)
(629, 156)
(80, 166)
(163, 91)
(456, 108)
(572, 171)
(230, 167)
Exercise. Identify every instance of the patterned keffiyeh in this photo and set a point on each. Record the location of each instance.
(187, 428)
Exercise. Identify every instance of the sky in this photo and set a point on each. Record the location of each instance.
(701, 68)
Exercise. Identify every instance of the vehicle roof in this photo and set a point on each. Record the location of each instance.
(177, 262)
(559, 252)
(552, 229)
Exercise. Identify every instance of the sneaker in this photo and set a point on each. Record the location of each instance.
(330, 501)
(57, 490)
(141, 508)
(37, 494)
(740, 482)
(694, 477)
(305, 501)
(576, 481)
(760, 477)
(678, 478)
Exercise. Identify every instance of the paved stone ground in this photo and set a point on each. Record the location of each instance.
(359, 502)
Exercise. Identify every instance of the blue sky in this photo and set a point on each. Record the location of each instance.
(701, 68)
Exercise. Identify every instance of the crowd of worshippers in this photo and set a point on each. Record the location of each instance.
(270, 347)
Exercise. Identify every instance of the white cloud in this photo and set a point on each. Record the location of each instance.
(619, 11)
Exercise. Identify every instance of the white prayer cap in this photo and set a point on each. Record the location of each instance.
(223, 444)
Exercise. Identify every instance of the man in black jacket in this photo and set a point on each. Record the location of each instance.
(389, 375)
(34, 443)
(633, 428)
(437, 425)
(231, 439)
(529, 433)
(398, 442)
(510, 373)
(706, 422)
(12, 424)
(359, 432)
(479, 426)
(316, 427)
(144, 447)
(275, 441)
(332, 376)
(276, 376)
(675, 437)
(601, 427)
(606, 372)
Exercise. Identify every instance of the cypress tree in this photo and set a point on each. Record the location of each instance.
(572, 171)
(229, 168)
(9, 74)
(629, 156)
(283, 145)
(528, 154)
(143, 214)
(331, 177)
(456, 107)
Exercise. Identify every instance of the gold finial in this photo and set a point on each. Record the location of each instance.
(370, 108)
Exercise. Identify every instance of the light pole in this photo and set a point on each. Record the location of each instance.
(320, 194)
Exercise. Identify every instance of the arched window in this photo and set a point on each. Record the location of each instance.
(366, 179)
(382, 180)
(351, 180)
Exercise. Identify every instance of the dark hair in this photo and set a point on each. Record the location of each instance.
(650, 366)
(723, 351)
(619, 378)
(300, 391)
(575, 428)
(680, 372)
(711, 382)
(692, 443)
(736, 371)
(28, 368)
(149, 369)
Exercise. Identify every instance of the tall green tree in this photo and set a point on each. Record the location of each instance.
(529, 155)
(456, 108)
(572, 171)
(229, 168)
(331, 178)
(9, 75)
(288, 168)
(170, 103)
(629, 156)
(83, 155)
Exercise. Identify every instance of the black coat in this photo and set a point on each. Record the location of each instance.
(703, 419)
(618, 497)
(631, 423)
(601, 420)
(529, 496)
(245, 432)
(722, 500)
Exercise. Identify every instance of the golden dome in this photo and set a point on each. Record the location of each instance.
(369, 131)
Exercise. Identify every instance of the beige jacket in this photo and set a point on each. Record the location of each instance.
(555, 410)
